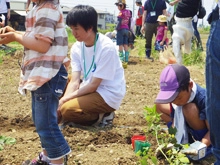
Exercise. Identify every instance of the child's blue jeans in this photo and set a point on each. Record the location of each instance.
(213, 87)
(45, 102)
(159, 47)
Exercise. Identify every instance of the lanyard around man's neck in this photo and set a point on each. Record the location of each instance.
(93, 58)
(153, 5)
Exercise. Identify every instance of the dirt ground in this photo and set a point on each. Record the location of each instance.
(90, 146)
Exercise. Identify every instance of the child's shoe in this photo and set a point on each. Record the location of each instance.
(126, 56)
(121, 56)
(37, 161)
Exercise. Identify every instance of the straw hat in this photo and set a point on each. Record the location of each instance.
(120, 2)
(162, 18)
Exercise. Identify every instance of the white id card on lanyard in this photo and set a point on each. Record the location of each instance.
(153, 13)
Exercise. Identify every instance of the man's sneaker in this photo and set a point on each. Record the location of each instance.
(37, 161)
(105, 119)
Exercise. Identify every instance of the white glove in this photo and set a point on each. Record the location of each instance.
(196, 150)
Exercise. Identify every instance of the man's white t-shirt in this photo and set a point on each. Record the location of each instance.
(106, 66)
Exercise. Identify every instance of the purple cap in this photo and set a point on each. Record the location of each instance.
(171, 79)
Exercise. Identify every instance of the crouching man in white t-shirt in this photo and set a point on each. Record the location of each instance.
(97, 84)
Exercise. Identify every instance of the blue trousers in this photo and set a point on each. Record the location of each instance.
(45, 102)
(213, 87)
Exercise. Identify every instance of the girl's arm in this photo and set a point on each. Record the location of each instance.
(164, 37)
(8, 35)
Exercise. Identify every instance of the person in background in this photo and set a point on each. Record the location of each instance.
(5, 10)
(183, 30)
(152, 9)
(97, 83)
(212, 81)
(171, 21)
(139, 18)
(131, 34)
(181, 103)
(44, 73)
(111, 35)
(123, 27)
(196, 32)
(161, 36)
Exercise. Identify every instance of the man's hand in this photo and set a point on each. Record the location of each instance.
(61, 102)
(190, 151)
(143, 29)
(196, 150)
(59, 116)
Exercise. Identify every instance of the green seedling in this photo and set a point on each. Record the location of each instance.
(6, 140)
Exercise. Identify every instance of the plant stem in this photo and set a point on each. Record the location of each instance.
(161, 149)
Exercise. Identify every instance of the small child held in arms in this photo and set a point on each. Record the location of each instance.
(161, 37)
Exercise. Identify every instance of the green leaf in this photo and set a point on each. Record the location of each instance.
(172, 130)
(143, 161)
(2, 139)
(10, 140)
(184, 160)
(154, 160)
(6, 140)
(1, 147)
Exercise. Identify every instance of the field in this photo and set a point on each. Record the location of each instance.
(90, 146)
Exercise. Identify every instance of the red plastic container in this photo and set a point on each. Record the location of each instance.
(137, 137)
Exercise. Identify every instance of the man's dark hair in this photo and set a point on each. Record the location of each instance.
(83, 15)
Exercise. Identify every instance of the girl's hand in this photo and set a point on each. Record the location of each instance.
(6, 30)
(161, 43)
(7, 37)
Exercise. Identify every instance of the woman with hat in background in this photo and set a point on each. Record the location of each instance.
(122, 27)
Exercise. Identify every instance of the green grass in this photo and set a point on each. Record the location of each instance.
(71, 38)
(196, 57)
